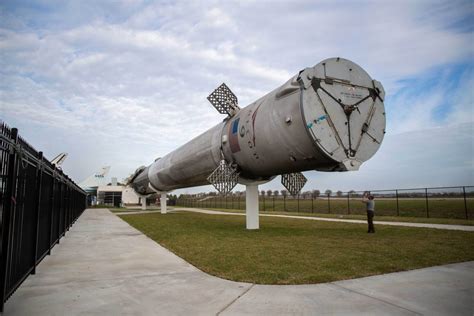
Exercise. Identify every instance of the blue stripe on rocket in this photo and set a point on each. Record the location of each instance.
(233, 136)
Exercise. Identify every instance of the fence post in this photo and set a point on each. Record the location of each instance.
(8, 209)
(348, 203)
(66, 208)
(298, 201)
(39, 180)
(263, 202)
(329, 204)
(60, 205)
(51, 213)
(284, 203)
(426, 198)
(312, 204)
(273, 202)
(398, 209)
(465, 203)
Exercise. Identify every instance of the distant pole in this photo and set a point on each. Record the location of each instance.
(398, 209)
(312, 204)
(465, 203)
(426, 199)
(263, 197)
(273, 203)
(298, 207)
(284, 203)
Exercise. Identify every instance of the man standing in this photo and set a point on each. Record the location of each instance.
(368, 199)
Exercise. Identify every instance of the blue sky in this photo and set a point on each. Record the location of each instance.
(122, 82)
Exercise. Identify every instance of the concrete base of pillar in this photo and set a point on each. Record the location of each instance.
(163, 203)
(251, 206)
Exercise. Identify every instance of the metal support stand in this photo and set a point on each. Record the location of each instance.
(163, 203)
(143, 203)
(251, 206)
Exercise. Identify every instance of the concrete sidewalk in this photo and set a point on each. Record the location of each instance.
(315, 218)
(105, 267)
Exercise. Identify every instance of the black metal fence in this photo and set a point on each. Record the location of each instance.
(38, 204)
(442, 202)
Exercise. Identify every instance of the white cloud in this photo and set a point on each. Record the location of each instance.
(128, 82)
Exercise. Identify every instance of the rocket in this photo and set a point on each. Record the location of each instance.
(329, 117)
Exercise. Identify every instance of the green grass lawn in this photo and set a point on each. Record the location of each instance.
(292, 251)
(449, 221)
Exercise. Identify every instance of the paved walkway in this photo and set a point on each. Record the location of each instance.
(106, 267)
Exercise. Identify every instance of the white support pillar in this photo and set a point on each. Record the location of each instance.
(143, 198)
(163, 203)
(251, 206)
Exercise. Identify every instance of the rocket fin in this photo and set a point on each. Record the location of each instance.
(293, 182)
(224, 100)
(224, 177)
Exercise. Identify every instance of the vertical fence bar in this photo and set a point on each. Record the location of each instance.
(329, 204)
(284, 203)
(348, 203)
(298, 203)
(8, 209)
(263, 202)
(60, 197)
(39, 180)
(273, 202)
(398, 208)
(52, 211)
(426, 199)
(66, 207)
(465, 202)
(312, 204)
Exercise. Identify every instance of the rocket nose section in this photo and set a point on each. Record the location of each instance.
(343, 108)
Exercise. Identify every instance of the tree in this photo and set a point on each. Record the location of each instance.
(306, 194)
(269, 193)
(276, 193)
(316, 194)
(284, 193)
(328, 192)
(262, 192)
(339, 193)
